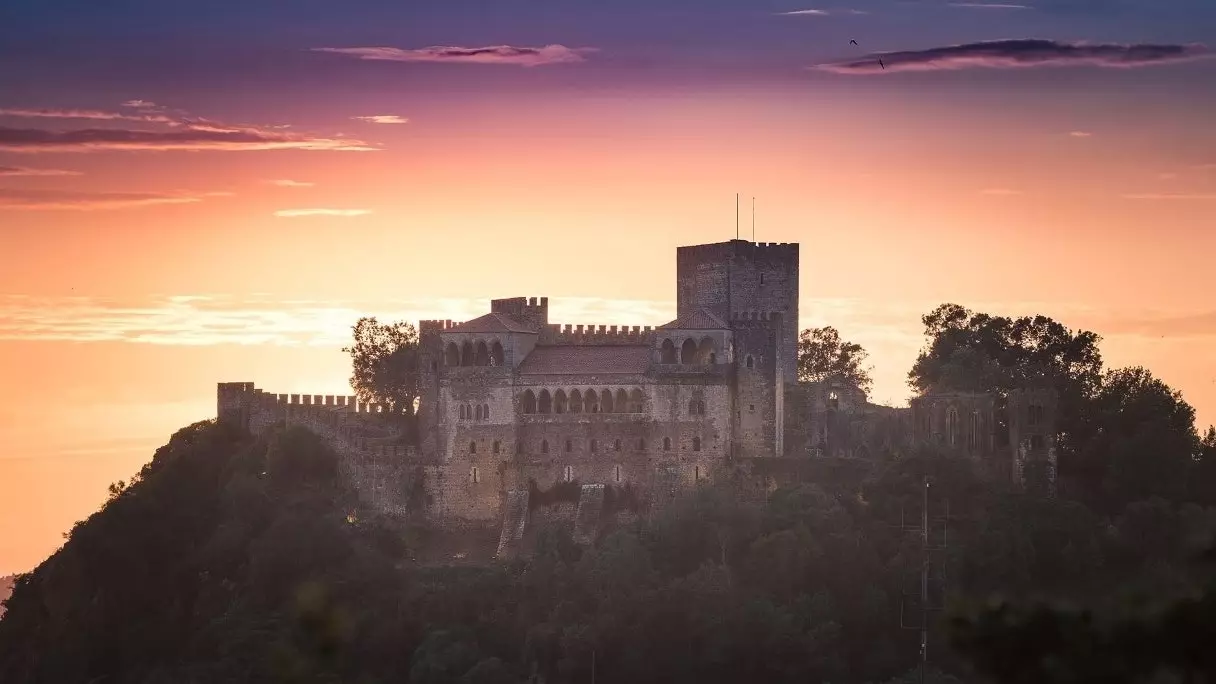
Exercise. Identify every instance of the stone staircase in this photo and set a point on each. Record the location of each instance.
(589, 514)
(514, 521)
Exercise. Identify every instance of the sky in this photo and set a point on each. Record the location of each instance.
(201, 192)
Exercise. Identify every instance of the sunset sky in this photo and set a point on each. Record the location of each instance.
(203, 192)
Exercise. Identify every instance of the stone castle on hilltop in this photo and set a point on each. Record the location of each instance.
(512, 405)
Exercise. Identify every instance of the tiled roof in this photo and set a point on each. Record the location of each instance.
(563, 359)
(697, 320)
(491, 322)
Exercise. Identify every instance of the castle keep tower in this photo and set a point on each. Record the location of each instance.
(741, 280)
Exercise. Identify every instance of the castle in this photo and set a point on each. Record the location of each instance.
(510, 402)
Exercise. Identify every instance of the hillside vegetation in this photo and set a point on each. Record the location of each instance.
(231, 558)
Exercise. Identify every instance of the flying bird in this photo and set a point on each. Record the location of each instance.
(884, 66)
(852, 42)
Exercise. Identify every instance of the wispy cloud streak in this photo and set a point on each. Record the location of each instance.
(28, 171)
(293, 213)
(820, 12)
(1021, 53)
(1171, 196)
(382, 119)
(55, 200)
(494, 54)
(988, 5)
(288, 183)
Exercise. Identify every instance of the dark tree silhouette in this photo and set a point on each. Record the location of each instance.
(384, 364)
(822, 355)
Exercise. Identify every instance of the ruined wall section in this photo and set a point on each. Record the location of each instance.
(1031, 414)
(963, 422)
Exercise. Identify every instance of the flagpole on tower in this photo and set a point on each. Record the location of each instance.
(753, 219)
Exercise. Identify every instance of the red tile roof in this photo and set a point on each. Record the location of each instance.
(563, 359)
(697, 320)
(491, 322)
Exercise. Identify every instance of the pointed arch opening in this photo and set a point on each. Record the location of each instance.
(544, 404)
(466, 353)
(606, 401)
(591, 402)
(667, 352)
(576, 401)
(637, 401)
(497, 358)
(528, 402)
(481, 354)
(706, 351)
(688, 351)
(621, 402)
(560, 404)
(451, 357)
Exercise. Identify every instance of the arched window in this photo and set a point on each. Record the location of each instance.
(667, 352)
(474, 475)
(559, 401)
(751, 363)
(478, 412)
(482, 354)
(974, 440)
(496, 356)
(485, 411)
(528, 403)
(1036, 442)
(544, 446)
(568, 475)
(616, 446)
(705, 350)
(545, 403)
(451, 357)
(696, 443)
(497, 447)
(576, 401)
(713, 358)
(696, 473)
(569, 446)
(688, 351)
(666, 444)
(472, 447)
(621, 402)
(606, 401)
(466, 353)
(617, 473)
(637, 402)
(460, 409)
(594, 446)
(591, 401)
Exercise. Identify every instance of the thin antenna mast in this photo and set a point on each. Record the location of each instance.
(753, 219)
(736, 216)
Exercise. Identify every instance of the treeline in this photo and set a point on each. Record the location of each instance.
(241, 559)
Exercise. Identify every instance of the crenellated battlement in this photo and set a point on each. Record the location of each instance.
(532, 311)
(756, 319)
(568, 333)
(434, 327)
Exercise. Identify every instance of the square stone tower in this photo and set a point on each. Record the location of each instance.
(742, 279)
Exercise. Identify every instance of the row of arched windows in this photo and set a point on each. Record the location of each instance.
(474, 354)
(479, 412)
(583, 401)
(690, 352)
(593, 445)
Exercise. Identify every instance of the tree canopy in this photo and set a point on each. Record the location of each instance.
(384, 364)
(822, 355)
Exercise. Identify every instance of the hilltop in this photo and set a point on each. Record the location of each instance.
(241, 558)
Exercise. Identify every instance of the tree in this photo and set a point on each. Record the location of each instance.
(385, 366)
(1139, 439)
(822, 355)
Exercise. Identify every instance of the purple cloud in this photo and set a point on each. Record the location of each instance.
(1019, 53)
(495, 54)
(193, 138)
